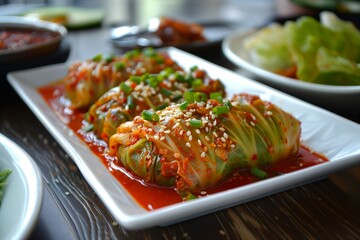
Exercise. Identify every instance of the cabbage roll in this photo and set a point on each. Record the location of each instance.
(192, 146)
(149, 91)
(86, 81)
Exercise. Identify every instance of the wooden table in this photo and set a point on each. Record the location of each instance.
(325, 209)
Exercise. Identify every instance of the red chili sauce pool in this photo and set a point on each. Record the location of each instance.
(15, 38)
(152, 197)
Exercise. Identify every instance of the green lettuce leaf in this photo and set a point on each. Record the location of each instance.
(323, 54)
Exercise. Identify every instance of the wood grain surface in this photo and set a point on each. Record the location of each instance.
(326, 209)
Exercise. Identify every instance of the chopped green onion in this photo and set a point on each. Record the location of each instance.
(228, 104)
(97, 58)
(130, 102)
(196, 83)
(150, 52)
(162, 106)
(135, 79)
(193, 68)
(216, 96)
(176, 97)
(179, 77)
(150, 116)
(258, 172)
(200, 97)
(125, 88)
(159, 60)
(183, 105)
(220, 110)
(132, 53)
(166, 92)
(119, 66)
(195, 123)
(108, 58)
(189, 97)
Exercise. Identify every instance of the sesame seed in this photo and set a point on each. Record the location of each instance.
(222, 129)
(203, 154)
(197, 131)
(188, 144)
(167, 131)
(207, 138)
(223, 139)
(156, 137)
(190, 138)
(199, 142)
(215, 122)
(181, 132)
(252, 124)
(177, 155)
(176, 125)
(162, 138)
(215, 134)
(232, 145)
(161, 130)
(207, 129)
(188, 133)
(187, 124)
(225, 135)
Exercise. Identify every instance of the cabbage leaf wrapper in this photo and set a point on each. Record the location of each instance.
(149, 91)
(199, 147)
(88, 80)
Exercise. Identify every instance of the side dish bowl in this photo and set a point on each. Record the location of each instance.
(338, 98)
(41, 37)
(23, 194)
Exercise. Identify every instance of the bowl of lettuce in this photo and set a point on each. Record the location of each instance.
(317, 60)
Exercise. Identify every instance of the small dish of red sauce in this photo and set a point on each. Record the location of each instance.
(22, 37)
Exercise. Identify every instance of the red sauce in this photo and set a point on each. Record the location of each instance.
(15, 38)
(152, 197)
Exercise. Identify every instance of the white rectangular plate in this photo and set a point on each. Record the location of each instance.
(322, 131)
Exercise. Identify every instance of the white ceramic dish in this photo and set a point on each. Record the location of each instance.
(35, 49)
(323, 131)
(23, 194)
(328, 96)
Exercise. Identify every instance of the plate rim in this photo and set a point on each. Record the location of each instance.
(31, 178)
(140, 218)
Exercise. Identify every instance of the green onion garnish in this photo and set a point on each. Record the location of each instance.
(125, 88)
(258, 172)
(179, 77)
(162, 106)
(130, 102)
(183, 105)
(108, 58)
(97, 58)
(195, 123)
(166, 92)
(150, 116)
(135, 79)
(220, 110)
(189, 97)
(200, 97)
(176, 97)
(193, 68)
(196, 83)
(119, 66)
(132, 53)
(216, 96)
(228, 104)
